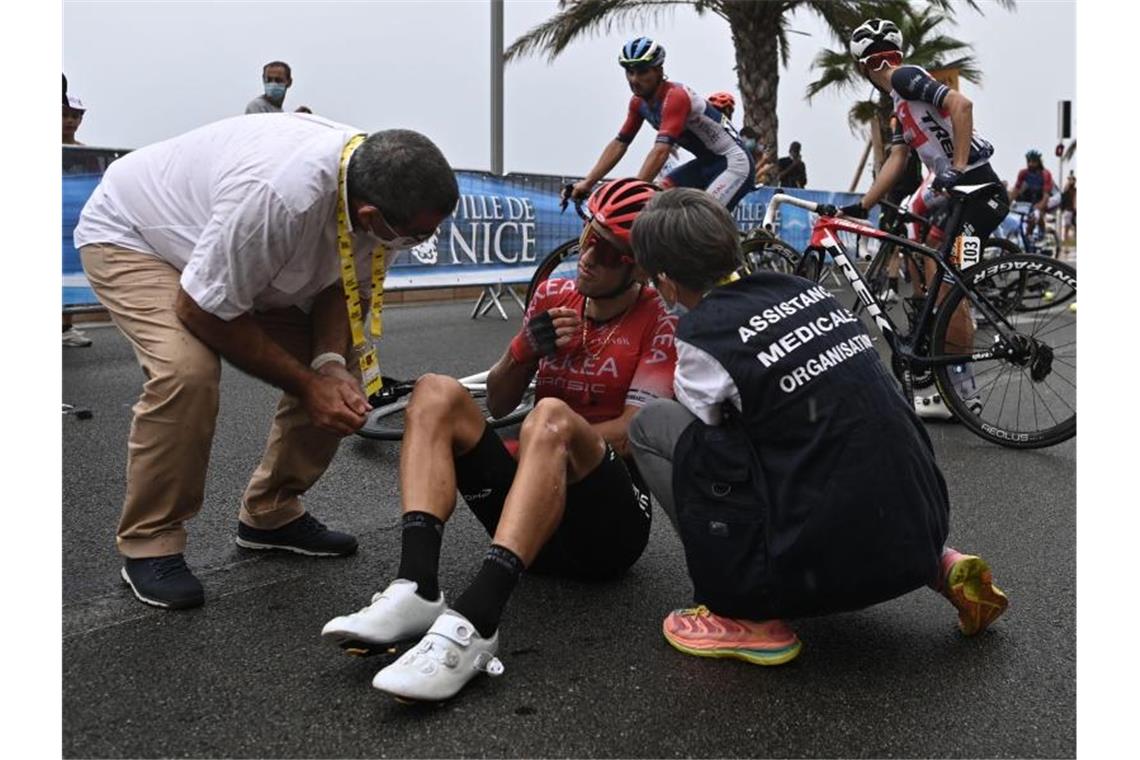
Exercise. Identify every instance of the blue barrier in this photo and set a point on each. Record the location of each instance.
(500, 229)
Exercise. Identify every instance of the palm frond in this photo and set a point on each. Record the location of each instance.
(836, 72)
(862, 113)
(950, 7)
(577, 18)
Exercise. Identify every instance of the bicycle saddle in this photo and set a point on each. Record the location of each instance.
(964, 190)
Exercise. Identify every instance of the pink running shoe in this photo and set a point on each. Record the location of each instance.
(697, 631)
(969, 585)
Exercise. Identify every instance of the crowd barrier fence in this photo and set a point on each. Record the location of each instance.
(500, 230)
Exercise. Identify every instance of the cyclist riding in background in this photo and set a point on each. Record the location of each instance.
(937, 123)
(723, 102)
(722, 166)
(1034, 191)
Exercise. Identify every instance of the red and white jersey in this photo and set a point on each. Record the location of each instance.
(628, 360)
(925, 125)
(684, 118)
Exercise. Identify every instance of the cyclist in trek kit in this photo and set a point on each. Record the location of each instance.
(599, 348)
(938, 124)
(722, 167)
(795, 473)
(1034, 192)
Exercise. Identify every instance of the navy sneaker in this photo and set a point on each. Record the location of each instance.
(305, 535)
(163, 582)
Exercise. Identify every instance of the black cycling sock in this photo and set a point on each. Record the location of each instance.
(893, 283)
(419, 552)
(483, 601)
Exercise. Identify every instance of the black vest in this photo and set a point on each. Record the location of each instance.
(822, 493)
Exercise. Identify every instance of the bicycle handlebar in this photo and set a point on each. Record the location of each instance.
(823, 209)
(566, 190)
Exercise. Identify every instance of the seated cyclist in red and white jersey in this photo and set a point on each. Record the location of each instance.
(568, 504)
(722, 167)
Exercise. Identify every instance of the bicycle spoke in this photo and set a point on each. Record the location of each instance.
(1045, 382)
(1036, 422)
(993, 386)
(1072, 384)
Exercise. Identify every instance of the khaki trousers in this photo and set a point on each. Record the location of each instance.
(173, 428)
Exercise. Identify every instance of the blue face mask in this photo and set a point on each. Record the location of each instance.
(750, 145)
(676, 309)
(275, 91)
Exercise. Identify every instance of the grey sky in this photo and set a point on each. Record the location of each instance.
(150, 70)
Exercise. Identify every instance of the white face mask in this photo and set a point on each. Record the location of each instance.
(401, 243)
(676, 309)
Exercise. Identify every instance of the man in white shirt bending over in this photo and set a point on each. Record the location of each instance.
(224, 242)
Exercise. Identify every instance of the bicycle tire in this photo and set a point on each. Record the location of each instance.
(386, 423)
(1032, 293)
(810, 265)
(763, 251)
(1052, 335)
(548, 265)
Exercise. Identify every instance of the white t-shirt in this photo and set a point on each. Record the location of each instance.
(244, 208)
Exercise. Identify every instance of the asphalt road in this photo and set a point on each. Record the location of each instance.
(588, 673)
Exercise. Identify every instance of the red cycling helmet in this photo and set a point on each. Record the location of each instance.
(723, 101)
(615, 204)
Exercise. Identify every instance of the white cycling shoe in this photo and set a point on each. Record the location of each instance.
(932, 407)
(395, 614)
(450, 655)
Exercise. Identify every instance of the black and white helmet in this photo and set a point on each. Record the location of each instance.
(876, 35)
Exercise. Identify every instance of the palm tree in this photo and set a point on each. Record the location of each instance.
(923, 46)
(759, 34)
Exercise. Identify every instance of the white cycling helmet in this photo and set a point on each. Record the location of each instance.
(876, 35)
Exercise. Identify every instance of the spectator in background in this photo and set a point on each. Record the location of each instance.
(764, 165)
(73, 111)
(1069, 203)
(792, 170)
(277, 77)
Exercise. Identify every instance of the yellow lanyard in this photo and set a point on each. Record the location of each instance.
(369, 363)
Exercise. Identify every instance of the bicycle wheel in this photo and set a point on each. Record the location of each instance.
(1028, 292)
(561, 262)
(1027, 397)
(810, 264)
(763, 251)
(386, 423)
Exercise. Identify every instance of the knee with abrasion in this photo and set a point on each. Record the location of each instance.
(548, 424)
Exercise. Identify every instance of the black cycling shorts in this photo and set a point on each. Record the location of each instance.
(604, 528)
(983, 210)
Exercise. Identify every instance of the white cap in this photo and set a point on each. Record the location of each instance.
(75, 103)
